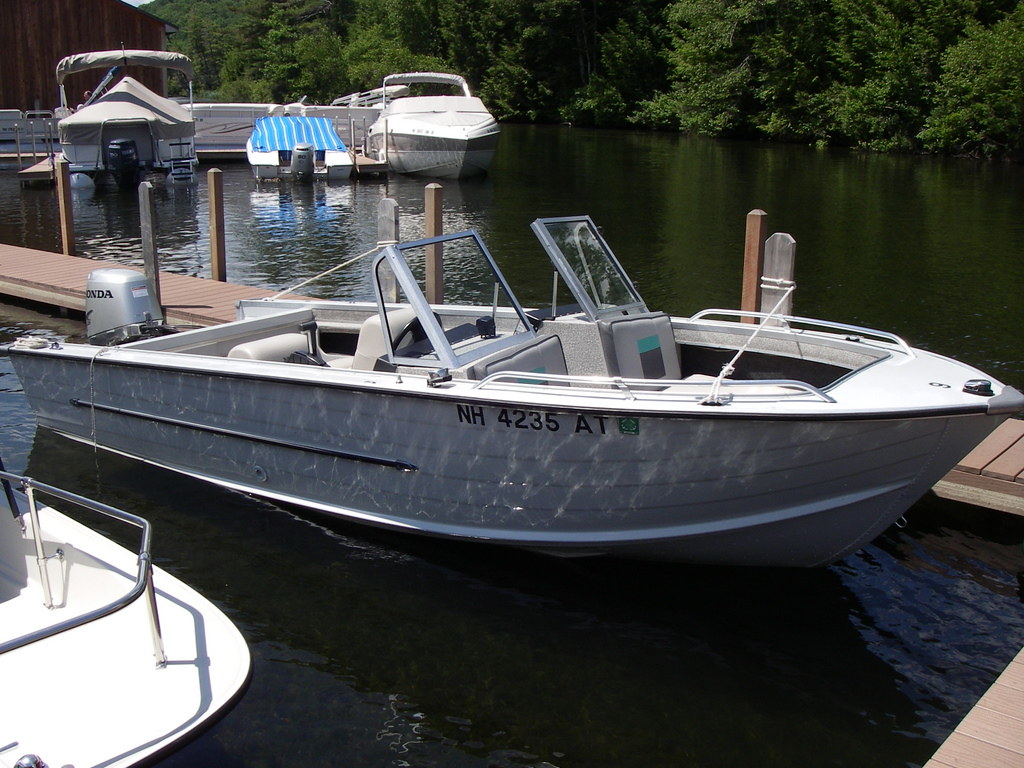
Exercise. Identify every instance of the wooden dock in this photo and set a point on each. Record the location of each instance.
(992, 475)
(59, 280)
(992, 734)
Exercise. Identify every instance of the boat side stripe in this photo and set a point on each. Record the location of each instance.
(401, 464)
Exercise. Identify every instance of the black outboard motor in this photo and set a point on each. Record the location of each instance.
(122, 160)
(302, 162)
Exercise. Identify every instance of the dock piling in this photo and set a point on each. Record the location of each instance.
(433, 196)
(147, 216)
(215, 191)
(64, 205)
(753, 259)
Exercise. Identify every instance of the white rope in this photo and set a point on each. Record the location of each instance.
(714, 398)
(375, 249)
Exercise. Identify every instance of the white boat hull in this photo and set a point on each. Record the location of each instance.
(436, 156)
(93, 694)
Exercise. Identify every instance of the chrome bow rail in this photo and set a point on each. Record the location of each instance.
(757, 390)
(143, 584)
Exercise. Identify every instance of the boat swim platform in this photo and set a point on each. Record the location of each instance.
(991, 476)
(58, 280)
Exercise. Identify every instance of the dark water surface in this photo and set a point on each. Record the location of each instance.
(373, 650)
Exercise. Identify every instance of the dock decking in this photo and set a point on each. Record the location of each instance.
(992, 734)
(992, 475)
(59, 280)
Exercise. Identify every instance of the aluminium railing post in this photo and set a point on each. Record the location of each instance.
(37, 536)
(154, 616)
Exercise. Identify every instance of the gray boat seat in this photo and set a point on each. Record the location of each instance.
(279, 347)
(541, 355)
(640, 346)
(370, 346)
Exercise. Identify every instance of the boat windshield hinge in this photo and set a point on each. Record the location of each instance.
(438, 377)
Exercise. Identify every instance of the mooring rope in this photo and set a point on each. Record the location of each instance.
(314, 278)
(714, 398)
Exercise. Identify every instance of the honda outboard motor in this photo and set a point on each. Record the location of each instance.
(120, 307)
(302, 162)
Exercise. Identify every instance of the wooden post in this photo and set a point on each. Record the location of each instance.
(779, 268)
(433, 195)
(753, 260)
(215, 192)
(387, 233)
(147, 216)
(65, 207)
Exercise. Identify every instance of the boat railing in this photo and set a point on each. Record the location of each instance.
(853, 332)
(142, 586)
(757, 390)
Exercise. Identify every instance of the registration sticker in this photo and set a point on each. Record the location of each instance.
(629, 426)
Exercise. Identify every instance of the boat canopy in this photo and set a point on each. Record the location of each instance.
(81, 62)
(128, 101)
(443, 78)
(276, 134)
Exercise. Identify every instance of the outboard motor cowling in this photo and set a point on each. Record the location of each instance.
(120, 307)
(122, 160)
(302, 162)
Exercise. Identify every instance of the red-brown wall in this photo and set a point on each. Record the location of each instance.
(36, 34)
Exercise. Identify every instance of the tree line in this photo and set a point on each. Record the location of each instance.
(944, 76)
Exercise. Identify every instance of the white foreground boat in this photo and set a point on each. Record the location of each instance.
(300, 148)
(126, 130)
(597, 428)
(105, 660)
(447, 137)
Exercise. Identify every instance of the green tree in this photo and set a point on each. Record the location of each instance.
(979, 103)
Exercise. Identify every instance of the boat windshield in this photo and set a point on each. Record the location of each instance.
(588, 267)
(454, 299)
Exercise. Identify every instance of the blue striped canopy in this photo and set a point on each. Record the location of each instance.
(275, 134)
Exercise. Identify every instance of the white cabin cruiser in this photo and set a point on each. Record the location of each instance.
(126, 130)
(114, 661)
(446, 137)
(299, 148)
(600, 428)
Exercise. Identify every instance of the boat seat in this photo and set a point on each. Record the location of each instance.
(541, 355)
(640, 346)
(279, 347)
(370, 346)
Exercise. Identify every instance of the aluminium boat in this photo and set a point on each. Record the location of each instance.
(450, 136)
(106, 660)
(125, 130)
(595, 426)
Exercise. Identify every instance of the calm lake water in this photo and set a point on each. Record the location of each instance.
(377, 650)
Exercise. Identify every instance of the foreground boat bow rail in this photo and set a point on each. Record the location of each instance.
(593, 426)
(93, 626)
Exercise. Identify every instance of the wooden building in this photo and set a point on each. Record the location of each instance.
(36, 34)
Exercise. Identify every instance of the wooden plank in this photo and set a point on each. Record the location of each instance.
(1009, 464)
(992, 733)
(1008, 433)
(962, 751)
